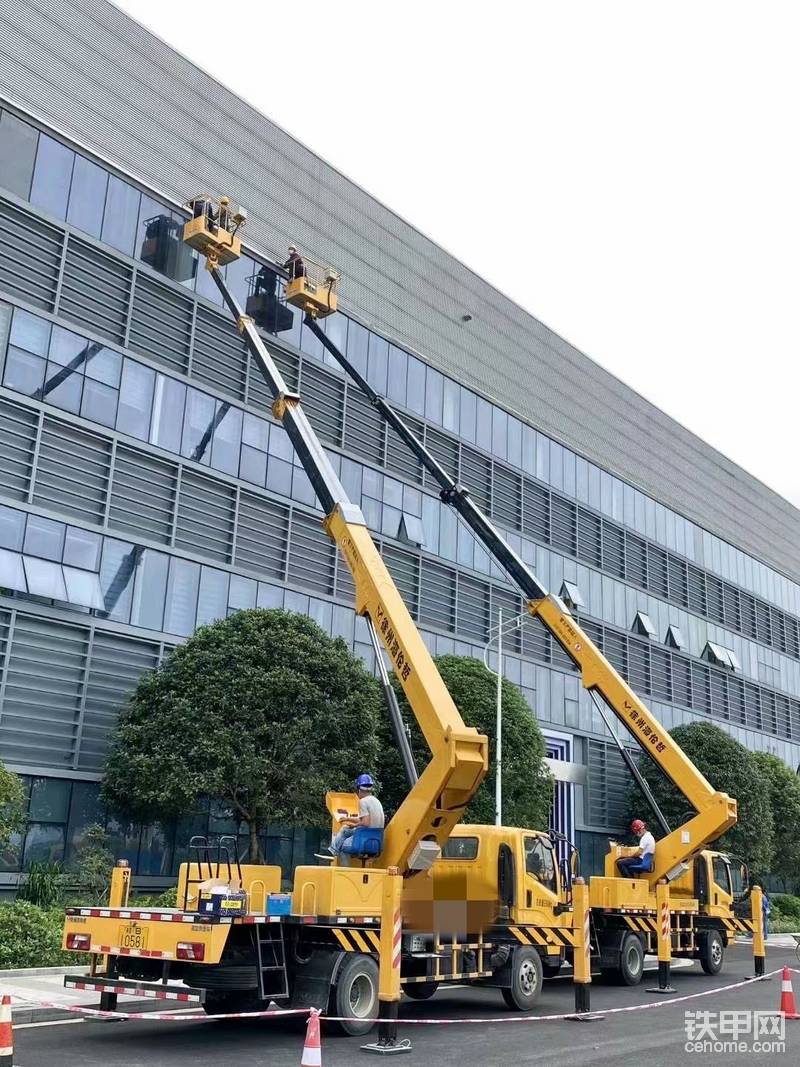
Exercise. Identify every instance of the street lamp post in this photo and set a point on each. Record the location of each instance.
(496, 635)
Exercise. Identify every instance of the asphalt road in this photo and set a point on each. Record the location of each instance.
(652, 1037)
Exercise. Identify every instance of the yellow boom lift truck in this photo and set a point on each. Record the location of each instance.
(427, 902)
(705, 893)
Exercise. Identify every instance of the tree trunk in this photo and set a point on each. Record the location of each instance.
(256, 855)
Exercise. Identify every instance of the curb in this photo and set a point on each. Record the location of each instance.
(30, 1013)
(38, 972)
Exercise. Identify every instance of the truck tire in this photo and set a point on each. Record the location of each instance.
(355, 995)
(526, 980)
(630, 968)
(711, 951)
(420, 990)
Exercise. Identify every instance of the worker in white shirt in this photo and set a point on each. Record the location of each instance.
(641, 862)
(370, 813)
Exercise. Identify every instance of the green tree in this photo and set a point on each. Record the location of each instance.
(784, 798)
(12, 805)
(527, 784)
(262, 711)
(730, 768)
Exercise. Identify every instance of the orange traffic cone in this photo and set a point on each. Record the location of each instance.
(312, 1049)
(6, 1033)
(787, 996)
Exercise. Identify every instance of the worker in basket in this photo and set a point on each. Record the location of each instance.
(294, 264)
(370, 814)
(642, 861)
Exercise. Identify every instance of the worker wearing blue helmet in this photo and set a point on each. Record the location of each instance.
(370, 813)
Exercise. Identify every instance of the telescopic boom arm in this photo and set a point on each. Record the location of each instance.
(436, 801)
(716, 811)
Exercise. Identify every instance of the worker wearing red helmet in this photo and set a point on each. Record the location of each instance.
(640, 862)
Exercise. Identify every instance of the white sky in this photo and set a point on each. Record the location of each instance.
(629, 172)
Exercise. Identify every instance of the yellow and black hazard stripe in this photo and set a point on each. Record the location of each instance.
(358, 940)
(544, 937)
(739, 926)
(641, 923)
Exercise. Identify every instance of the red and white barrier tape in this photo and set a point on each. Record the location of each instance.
(164, 1016)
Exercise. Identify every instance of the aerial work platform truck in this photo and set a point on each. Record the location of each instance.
(431, 901)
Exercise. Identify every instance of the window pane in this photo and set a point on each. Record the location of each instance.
(416, 385)
(357, 346)
(377, 365)
(12, 528)
(212, 601)
(17, 154)
(30, 332)
(205, 286)
(433, 395)
(82, 548)
(87, 196)
(451, 401)
(121, 215)
(135, 400)
(184, 579)
(44, 578)
(12, 576)
(227, 439)
(66, 347)
(398, 366)
(83, 587)
(116, 578)
(99, 403)
(253, 465)
(43, 843)
(105, 366)
(150, 589)
(52, 176)
(197, 426)
(50, 799)
(242, 592)
(24, 372)
(255, 432)
(170, 397)
(63, 392)
(44, 537)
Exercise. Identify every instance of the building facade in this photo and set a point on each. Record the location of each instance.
(146, 490)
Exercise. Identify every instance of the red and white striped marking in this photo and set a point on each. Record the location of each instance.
(665, 920)
(135, 991)
(479, 1021)
(587, 937)
(397, 939)
(6, 1030)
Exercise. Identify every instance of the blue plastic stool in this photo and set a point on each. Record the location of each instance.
(365, 843)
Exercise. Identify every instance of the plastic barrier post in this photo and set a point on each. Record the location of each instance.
(389, 992)
(6, 1033)
(757, 913)
(582, 953)
(664, 931)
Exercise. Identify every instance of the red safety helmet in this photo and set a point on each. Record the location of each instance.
(637, 825)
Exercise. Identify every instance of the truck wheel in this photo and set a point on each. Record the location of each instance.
(219, 1002)
(631, 961)
(420, 990)
(526, 980)
(355, 995)
(712, 951)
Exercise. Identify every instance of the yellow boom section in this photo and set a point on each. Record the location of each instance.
(716, 812)
(460, 754)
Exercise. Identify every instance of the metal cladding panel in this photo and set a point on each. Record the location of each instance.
(99, 77)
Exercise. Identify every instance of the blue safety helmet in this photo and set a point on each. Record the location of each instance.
(365, 781)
